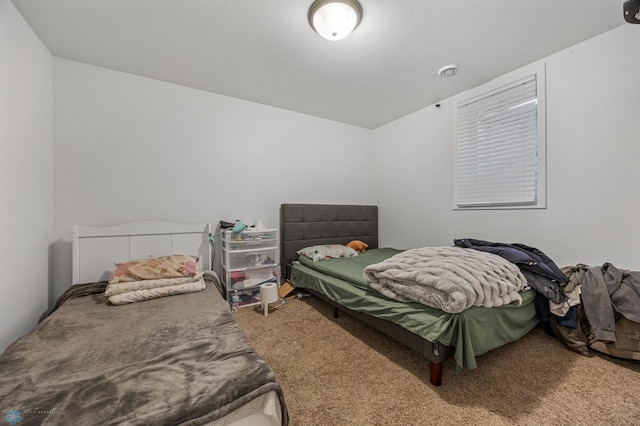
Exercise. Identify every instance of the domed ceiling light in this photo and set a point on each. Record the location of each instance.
(335, 19)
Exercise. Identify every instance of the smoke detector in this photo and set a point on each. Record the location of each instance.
(448, 70)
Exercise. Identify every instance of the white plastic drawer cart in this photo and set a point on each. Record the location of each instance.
(249, 258)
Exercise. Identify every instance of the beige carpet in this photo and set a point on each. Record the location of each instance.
(341, 372)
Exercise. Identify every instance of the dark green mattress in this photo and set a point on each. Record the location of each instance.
(471, 332)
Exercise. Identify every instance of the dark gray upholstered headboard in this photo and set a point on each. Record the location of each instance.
(303, 225)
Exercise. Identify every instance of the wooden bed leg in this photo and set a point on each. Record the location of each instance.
(336, 313)
(436, 373)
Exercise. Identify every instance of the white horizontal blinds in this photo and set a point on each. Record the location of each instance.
(497, 152)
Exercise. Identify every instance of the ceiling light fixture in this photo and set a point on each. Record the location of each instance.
(448, 70)
(335, 19)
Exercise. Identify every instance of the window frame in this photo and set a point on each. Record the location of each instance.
(486, 90)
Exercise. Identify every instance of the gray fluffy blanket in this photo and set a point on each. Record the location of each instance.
(177, 360)
(448, 278)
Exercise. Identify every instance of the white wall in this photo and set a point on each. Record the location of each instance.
(129, 148)
(593, 152)
(26, 175)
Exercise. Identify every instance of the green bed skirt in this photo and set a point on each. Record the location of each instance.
(471, 332)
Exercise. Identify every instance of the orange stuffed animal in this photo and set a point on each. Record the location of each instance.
(358, 245)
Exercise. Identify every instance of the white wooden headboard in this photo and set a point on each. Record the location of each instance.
(96, 249)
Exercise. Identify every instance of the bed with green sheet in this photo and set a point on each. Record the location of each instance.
(432, 332)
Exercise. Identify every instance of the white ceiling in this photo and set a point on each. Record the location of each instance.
(265, 51)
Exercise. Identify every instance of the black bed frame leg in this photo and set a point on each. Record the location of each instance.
(336, 313)
(435, 373)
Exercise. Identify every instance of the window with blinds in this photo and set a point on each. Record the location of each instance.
(498, 155)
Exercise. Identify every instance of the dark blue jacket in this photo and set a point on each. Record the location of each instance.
(541, 273)
(525, 257)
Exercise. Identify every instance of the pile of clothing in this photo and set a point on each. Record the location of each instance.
(609, 315)
(585, 307)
